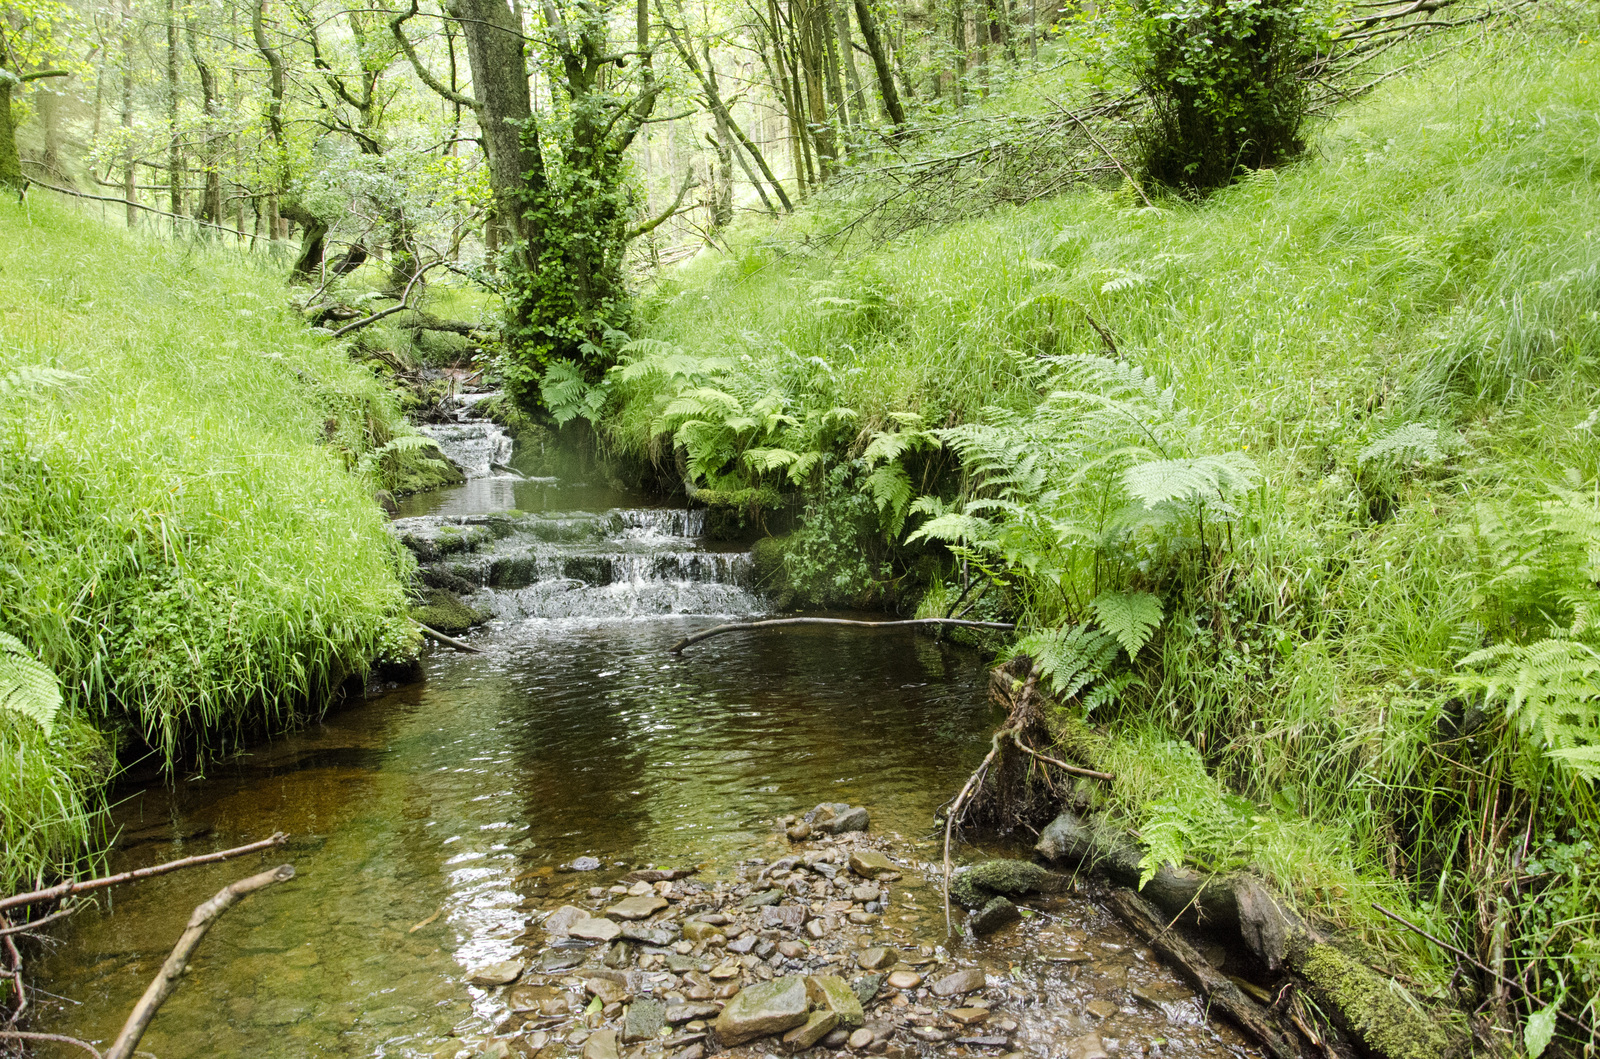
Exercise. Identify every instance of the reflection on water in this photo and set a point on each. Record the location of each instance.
(565, 740)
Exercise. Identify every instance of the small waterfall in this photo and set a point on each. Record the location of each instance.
(624, 563)
(474, 445)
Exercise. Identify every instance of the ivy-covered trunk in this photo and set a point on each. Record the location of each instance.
(568, 206)
(10, 162)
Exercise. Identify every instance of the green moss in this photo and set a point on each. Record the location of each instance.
(446, 612)
(409, 472)
(1371, 1010)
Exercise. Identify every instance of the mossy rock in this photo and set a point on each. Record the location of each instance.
(446, 612)
(769, 559)
(976, 886)
(406, 473)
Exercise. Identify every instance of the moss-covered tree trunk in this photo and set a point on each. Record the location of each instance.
(10, 161)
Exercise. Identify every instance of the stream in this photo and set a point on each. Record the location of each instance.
(435, 825)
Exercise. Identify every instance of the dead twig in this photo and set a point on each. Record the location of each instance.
(166, 980)
(449, 641)
(55, 893)
(62, 1038)
(739, 626)
(955, 812)
(1076, 770)
(23, 928)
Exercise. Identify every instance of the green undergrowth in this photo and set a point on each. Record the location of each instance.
(188, 536)
(1293, 491)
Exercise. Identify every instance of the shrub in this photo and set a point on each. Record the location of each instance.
(1226, 85)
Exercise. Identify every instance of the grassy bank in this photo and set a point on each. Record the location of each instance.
(187, 531)
(1336, 440)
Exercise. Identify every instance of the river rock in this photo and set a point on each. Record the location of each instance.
(1089, 1046)
(698, 930)
(743, 944)
(762, 1009)
(830, 992)
(762, 898)
(660, 937)
(608, 991)
(788, 917)
(529, 997)
(968, 1016)
(994, 915)
(502, 972)
(639, 907)
(799, 832)
(870, 864)
(866, 987)
(584, 864)
(860, 1040)
(818, 1026)
(559, 922)
(601, 1044)
(792, 950)
(876, 958)
(905, 979)
(643, 1020)
(561, 960)
(864, 893)
(966, 980)
(680, 1013)
(976, 886)
(1101, 1009)
(849, 820)
(595, 928)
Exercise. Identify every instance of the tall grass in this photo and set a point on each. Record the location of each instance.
(1434, 262)
(182, 538)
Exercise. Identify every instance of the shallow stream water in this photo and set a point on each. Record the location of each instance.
(430, 823)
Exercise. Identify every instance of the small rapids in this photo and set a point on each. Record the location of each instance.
(434, 826)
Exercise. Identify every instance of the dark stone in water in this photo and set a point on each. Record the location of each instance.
(655, 875)
(994, 915)
(761, 899)
(557, 960)
(866, 987)
(983, 1042)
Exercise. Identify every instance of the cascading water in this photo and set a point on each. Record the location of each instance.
(477, 446)
(624, 563)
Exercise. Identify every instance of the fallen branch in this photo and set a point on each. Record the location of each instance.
(20, 1035)
(23, 928)
(739, 626)
(405, 297)
(1218, 989)
(1016, 737)
(449, 641)
(955, 811)
(177, 963)
(36, 182)
(55, 893)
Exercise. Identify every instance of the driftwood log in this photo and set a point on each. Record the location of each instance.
(1220, 991)
(1241, 910)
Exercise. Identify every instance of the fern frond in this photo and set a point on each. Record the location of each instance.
(1195, 478)
(1550, 689)
(1411, 443)
(954, 528)
(28, 687)
(1071, 658)
(1132, 617)
(890, 489)
(759, 460)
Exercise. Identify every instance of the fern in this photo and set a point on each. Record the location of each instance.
(1551, 692)
(1132, 617)
(1071, 658)
(28, 687)
(1412, 443)
(568, 395)
(1199, 478)
(890, 489)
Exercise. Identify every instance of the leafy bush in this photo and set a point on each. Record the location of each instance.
(1227, 84)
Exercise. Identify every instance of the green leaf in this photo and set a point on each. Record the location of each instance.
(1132, 617)
(1539, 1030)
(27, 686)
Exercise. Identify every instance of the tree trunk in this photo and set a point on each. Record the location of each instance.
(10, 162)
(493, 34)
(958, 40)
(211, 163)
(174, 147)
(128, 191)
(847, 57)
(812, 35)
(880, 63)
